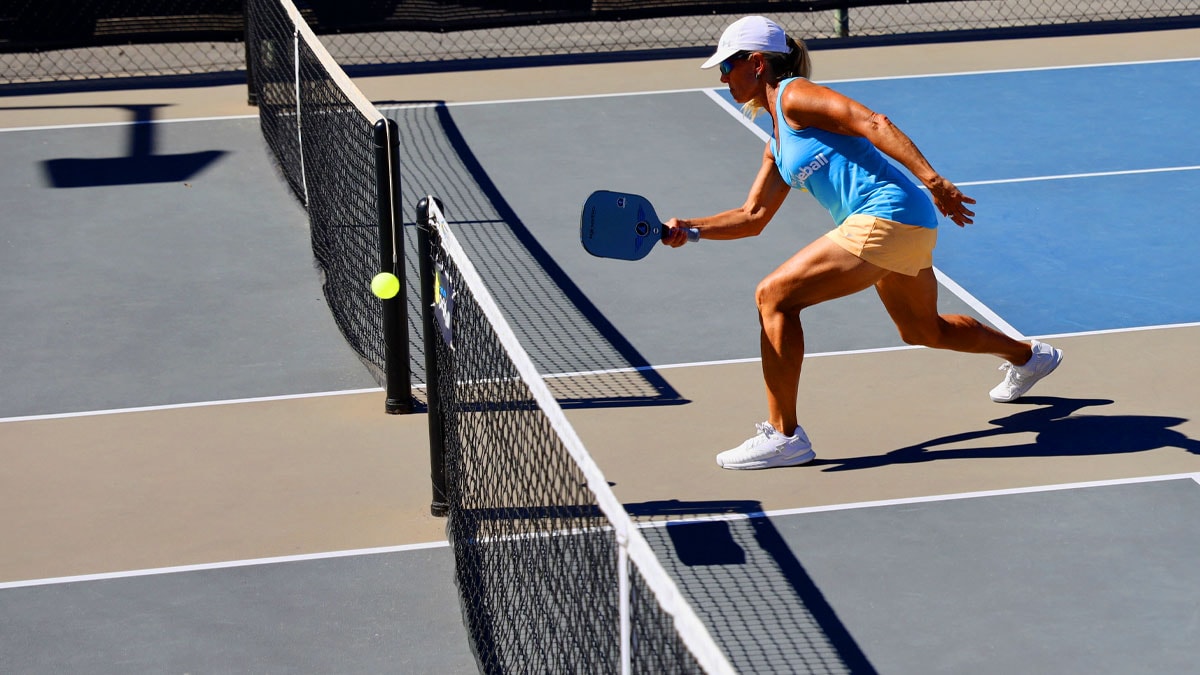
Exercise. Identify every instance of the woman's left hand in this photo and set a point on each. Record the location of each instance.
(951, 201)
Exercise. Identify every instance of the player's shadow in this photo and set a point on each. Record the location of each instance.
(1058, 432)
(755, 597)
(140, 164)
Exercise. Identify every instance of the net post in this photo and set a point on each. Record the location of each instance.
(397, 376)
(437, 448)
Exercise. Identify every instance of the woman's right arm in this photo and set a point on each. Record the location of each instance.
(766, 196)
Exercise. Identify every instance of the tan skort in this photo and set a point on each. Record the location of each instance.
(896, 247)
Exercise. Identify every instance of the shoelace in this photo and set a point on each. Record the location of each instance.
(1013, 375)
(765, 429)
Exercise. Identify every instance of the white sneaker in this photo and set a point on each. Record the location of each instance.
(1019, 379)
(768, 448)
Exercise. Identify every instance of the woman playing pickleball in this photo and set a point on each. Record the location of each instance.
(836, 149)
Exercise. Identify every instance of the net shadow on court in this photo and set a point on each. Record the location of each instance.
(586, 360)
(760, 603)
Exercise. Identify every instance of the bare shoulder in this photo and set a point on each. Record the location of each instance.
(802, 93)
(807, 103)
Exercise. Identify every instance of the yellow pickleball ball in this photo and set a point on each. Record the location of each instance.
(385, 285)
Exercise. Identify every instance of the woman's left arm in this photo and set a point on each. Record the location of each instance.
(827, 109)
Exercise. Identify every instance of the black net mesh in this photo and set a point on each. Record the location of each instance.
(565, 332)
(326, 149)
(536, 560)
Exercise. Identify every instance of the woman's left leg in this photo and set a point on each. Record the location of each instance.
(912, 304)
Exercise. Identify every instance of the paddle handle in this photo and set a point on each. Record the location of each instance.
(692, 233)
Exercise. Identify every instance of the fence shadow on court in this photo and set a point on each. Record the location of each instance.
(758, 601)
(587, 361)
(1060, 432)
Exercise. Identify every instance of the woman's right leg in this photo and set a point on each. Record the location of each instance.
(821, 271)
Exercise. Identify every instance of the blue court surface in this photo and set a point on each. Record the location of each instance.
(1083, 178)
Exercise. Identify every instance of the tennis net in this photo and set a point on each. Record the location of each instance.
(339, 155)
(552, 573)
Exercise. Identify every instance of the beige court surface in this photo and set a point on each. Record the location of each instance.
(158, 488)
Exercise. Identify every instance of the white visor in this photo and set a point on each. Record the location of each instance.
(749, 34)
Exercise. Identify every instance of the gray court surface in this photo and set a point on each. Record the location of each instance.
(380, 613)
(1095, 579)
(1087, 580)
(155, 264)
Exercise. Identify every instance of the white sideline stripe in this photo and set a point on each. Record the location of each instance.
(574, 97)
(737, 114)
(177, 406)
(127, 123)
(545, 99)
(721, 362)
(637, 93)
(852, 352)
(611, 371)
(1031, 69)
(1068, 176)
(926, 499)
(721, 517)
(975, 304)
(220, 565)
(1134, 329)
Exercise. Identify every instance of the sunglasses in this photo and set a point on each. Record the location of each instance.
(726, 66)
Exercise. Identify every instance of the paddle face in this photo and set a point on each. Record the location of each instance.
(619, 225)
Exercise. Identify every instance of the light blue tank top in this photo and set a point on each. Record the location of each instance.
(846, 174)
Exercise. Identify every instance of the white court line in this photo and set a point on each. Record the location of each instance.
(220, 565)
(977, 305)
(179, 406)
(737, 114)
(93, 125)
(721, 362)
(1031, 69)
(928, 499)
(643, 93)
(573, 97)
(1134, 329)
(1068, 176)
(576, 97)
(699, 519)
(611, 371)
(852, 352)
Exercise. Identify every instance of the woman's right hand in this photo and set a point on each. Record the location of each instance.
(676, 234)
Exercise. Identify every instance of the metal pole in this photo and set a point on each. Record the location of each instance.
(843, 21)
(437, 447)
(397, 375)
